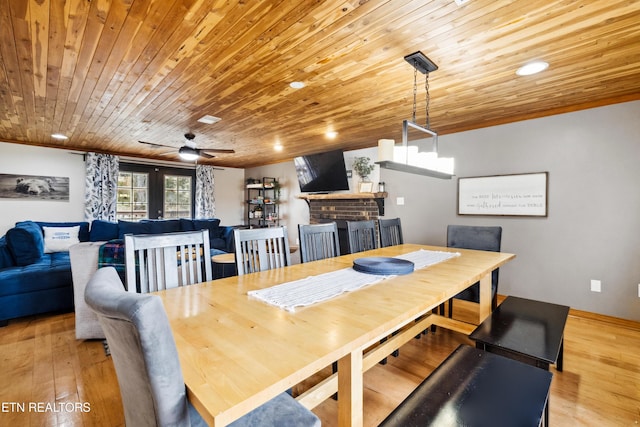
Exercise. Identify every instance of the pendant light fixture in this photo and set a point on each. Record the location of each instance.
(408, 158)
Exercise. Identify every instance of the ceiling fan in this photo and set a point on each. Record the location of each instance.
(189, 151)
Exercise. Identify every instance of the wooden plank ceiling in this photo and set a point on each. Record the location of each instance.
(108, 73)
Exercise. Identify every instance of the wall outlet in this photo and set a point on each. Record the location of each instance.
(399, 201)
(596, 286)
(638, 290)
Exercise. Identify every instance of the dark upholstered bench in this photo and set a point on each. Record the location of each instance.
(526, 330)
(476, 388)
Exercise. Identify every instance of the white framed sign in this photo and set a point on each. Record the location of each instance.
(508, 195)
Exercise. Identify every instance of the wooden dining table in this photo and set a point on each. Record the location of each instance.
(237, 352)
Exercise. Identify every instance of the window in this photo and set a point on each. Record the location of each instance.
(153, 192)
(133, 196)
(177, 196)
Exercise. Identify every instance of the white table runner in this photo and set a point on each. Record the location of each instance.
(313, 289)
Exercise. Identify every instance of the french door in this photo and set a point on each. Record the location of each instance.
(155, 192)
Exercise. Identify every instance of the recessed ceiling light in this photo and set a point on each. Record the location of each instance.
(277, 146)
(296, 85)
(59, 136)
(209, 120)
(331, 134)
(532, 68)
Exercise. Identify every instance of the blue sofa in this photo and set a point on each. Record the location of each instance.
(33, 281)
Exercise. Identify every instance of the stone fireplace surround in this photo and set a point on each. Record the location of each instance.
(343, 207)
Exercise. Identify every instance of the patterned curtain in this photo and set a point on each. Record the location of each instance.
(100, 187)
(205, 200)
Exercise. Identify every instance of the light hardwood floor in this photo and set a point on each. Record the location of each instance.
(43, 364)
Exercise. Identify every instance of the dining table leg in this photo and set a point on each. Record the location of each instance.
(485, 297)
(350, 390)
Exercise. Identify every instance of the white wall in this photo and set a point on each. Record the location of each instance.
(22, 159)
(229, 194)
(592, 229)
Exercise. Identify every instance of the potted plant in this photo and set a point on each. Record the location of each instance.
(362, 167)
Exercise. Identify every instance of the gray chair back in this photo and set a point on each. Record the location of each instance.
(155, 262)
(148, 367)
(143, 352)
(318, 241)
(362, 236)
(260, 249)
(481, 238)
(390, 232)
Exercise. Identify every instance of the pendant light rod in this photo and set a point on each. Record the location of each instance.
(423, 64)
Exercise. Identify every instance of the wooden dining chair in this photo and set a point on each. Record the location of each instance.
(390, 231)
(318, 241)
(155, 262)
(147, 366)
(362, 236)
(260, 249)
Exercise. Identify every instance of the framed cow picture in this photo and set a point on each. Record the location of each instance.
(34, 187)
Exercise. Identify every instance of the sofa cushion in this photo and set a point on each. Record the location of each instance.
(6, 259)
(103, 231)
(26, 243)
(159, 226)
(131, 227)
(60, 239)
(213, 225)
(83, 234)
(43, 274)
(186, 224)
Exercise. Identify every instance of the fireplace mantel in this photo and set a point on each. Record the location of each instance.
(342, 196)
(325, 199)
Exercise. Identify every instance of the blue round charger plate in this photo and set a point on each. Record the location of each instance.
(383, 265)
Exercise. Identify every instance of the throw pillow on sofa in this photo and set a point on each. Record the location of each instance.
(83, 234)
(6, 259)
(26, 243)
(160, 226)
(131, 227)
(103, 231)
(60, 239)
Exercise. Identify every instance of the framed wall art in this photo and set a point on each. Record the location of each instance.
(34, 187)
(507, 195)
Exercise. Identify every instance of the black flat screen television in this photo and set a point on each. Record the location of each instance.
(322, 172)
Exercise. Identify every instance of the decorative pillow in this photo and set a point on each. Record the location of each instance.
(159, 226)
(213, 225)
(60, 239)
(6, 260)
(186, 224)
(26, 243)
(83, 234)
(131, 227)
(103, 231)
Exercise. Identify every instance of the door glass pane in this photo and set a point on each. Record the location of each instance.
(177, 196)
(133, 196)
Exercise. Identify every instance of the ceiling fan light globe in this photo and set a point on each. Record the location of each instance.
(188, 153)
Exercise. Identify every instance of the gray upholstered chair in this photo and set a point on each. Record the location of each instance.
(147, 365)
(260, 249)
(318, 241)
(480, 238)
(390, 232)
(155, 262)
(362, 236)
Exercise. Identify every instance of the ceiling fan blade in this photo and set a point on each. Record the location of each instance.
(218, 150)
(154, 144)
(205, 155)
